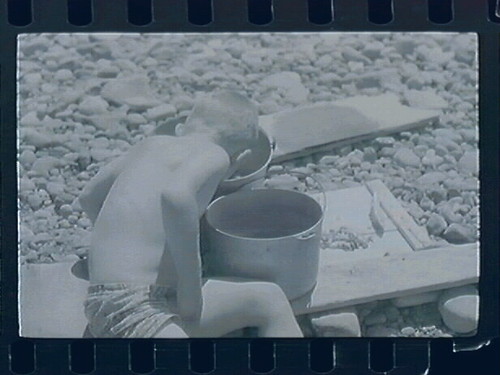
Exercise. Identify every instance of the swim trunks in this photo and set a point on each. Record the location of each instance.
(129, 311)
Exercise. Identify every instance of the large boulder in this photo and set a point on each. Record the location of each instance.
(459, 308)
(341, 324)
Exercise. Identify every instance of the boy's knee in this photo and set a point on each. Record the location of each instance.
(267, 295)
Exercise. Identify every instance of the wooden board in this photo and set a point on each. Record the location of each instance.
(343, 284)
(417, 236)
(304, 130)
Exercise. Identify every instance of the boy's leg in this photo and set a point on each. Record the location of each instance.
(172, 331)
(231, 305)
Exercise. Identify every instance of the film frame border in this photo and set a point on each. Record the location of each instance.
(291, 16)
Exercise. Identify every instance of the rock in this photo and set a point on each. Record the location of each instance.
(469, 135)
(63, 75)
(328, 160)
(431, 159)
(135, 119)
(406, 158)
(344, 324)
(25, 185)
(408, 331)
(290, 83)
(416, 299)
(27, 158)
(426, 203)
(431, 178)
(43, 165)
(54, 189)
(392, 313)
(450, 134)
(133, 92)
(160, 112)
(84, 223)
(101, 154)
(35, 201)
(381, 331)
(469, 162)
(369, 154)
(460, 184)
(459, 308)
(449, 211)
(436, 225)
(460, 233)
(93, 105)
(375, 317)
(33, 137)
(65, 210)
(426, 99)
(384, 141)
(437, 194)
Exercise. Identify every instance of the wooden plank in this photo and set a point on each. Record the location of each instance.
(343, 284)
(304, 130)
(417, 236)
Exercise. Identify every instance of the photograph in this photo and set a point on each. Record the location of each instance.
(235, 185)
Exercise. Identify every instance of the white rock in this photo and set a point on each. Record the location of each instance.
(380, 331)
(135, 119)
(160, 112)
(406, 157)
(291, 83)
(459, 308)
(27, 158)
(469, 162)
(431, 178)
(458, 233)
(416, 299)
(427, 99)
(65, 210)
(35, 138)
(431, 159)
(133, 92)
(93, 105)
(25, 185)
(436, 224)
(54, 188)
(63, 75)
(344, 324)
(43, 165)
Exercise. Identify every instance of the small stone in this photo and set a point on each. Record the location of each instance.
(35, 138)
(26, 185)
(430, 159)
(369, 154)
(459, 308)
(406, 157)
(337, 325)
(135, 119)
(30, 120)
(133, 92)
(416, 299)
(43, 165)
(27, 158)
(431, 178)
(328, 160)
(84, 223)
(460, 233)
(160, 112)
(437, 194)
(436, 225)
(93, 105)
(384, 141)
(375, 317)
(408, 331)
(426, 203)
(63, 75)
(290, 83)
(469, 162)
(450, 134)
(35, 202)
(54, 188)
(426, 99)
(449, 212)
(65, 210)
(380, 331)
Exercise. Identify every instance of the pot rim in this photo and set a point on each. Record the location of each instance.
(264, 166)
(238, 237)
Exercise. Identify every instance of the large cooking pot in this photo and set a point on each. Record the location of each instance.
(265, 234)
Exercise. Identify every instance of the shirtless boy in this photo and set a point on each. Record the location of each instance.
(144, 261)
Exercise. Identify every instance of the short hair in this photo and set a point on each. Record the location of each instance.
(227, 117)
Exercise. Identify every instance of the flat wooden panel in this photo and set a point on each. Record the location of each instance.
(343, 284)
(308, 129)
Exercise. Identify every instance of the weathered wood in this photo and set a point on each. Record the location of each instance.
(417, 236)
(345, 283)
(304, 130)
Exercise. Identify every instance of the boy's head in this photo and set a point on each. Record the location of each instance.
(227, 118)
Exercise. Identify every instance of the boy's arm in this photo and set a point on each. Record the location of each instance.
(181, 223)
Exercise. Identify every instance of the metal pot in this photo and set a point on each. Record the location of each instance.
(269, 235)
(253, 169)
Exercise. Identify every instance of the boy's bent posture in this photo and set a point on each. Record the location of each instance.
(144, 260)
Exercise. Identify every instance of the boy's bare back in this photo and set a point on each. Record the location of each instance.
(176, 176)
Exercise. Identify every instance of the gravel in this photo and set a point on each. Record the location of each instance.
(84, 99)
